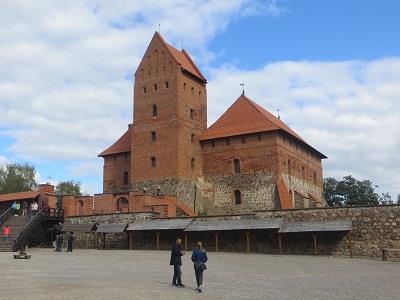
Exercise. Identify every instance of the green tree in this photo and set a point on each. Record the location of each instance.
(350, 192)
(67, 188)
(16, 177)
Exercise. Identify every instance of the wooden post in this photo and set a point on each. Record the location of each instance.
(350, 240)
(158, 240)
(130, 240)
(216, 241)
(314, 236)
(247, 241)
(104, 241)
(186, 240)
(280, 243)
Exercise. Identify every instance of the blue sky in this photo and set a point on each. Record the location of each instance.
(332, 67)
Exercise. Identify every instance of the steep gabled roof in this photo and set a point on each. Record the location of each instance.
(122, 145)
(245, 116)
(181, 57)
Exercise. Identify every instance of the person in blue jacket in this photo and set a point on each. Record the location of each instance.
(199, 258)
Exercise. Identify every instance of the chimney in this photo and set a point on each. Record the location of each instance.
(46, 188)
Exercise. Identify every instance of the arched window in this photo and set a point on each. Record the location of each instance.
(236, 166)
(153, 162)
(191, 113)
(192, 163)
(192, 136)
(122, 204)
(238, 197)
(126, 178)
(155, 112)
(153, 136)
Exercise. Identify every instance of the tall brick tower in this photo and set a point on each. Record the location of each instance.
(170, 113)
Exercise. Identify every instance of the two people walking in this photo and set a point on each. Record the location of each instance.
(199, 259)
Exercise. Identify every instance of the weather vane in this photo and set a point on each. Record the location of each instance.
(278, 110)
(242, 85)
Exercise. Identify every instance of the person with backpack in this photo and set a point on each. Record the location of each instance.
(199, 258)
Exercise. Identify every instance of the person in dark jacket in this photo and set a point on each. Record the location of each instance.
(199, 258)
(70, 241)
(59, 242)
(176, 261)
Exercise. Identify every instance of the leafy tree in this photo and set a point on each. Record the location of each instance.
(351, 192)
(386, 199)
(398, 199)
(67, 188)
(16, 177)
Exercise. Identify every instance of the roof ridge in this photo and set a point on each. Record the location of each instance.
(193, 64)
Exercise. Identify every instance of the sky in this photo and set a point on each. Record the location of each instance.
(331, 67)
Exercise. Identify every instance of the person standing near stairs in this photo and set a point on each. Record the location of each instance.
(6, 232)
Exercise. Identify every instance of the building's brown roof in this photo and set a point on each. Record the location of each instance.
(122, 145)
(183, 59)
(245, 116)
(19, 196)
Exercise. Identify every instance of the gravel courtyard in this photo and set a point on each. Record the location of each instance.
(97, 274)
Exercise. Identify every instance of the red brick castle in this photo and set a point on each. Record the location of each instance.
(169, 161)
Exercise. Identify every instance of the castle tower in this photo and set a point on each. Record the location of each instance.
(170, 114)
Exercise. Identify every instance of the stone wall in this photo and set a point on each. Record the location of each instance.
(373, 228)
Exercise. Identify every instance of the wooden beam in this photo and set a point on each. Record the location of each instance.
(216, 241)
(186, 240)
(280, 243)
(158, 240)
(130, 240)
(350, 240)
(314, 236)
(247, 241)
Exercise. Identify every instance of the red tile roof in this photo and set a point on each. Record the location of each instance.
(183, 59)
(122, 145)
(19, 196)
(245, 116)
(284, 196)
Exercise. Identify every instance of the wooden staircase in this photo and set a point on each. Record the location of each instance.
(17, 225)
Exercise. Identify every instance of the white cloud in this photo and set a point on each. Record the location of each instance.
(3, 160)
(347, 110)
(66, 83)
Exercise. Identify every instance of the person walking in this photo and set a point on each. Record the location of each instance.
(176, 261)
(70, 241)
(199, 258)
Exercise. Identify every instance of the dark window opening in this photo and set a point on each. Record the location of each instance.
(191, 113)
(166, 84)
(155, 112)
(303, 172)
(192, 91)
(126, 177)
(144, 90)
(199, 95)
(192, 163)
(153, 162)
(153, 136)
(126, 156)
(259, 137)
(236, 166)
(192, 138)
(184, 86)
(238, 197)
(155, 87)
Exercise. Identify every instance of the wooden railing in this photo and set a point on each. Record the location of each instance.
(6, 215)
(20, 240)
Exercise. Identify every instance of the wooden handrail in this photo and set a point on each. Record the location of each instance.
(20, 238)
(6, 214)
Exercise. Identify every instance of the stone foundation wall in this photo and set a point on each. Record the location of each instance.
(373, 228)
